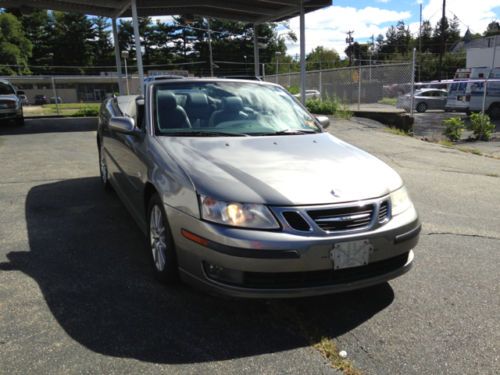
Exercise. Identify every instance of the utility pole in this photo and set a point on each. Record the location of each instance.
(349, 41)
(443, 40)
(211, 57)
(420, 45)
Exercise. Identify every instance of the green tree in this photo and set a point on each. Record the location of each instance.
(72, 42)
(492, 29)
(38, 27)
(323, 58)
(102, 48)
(15, 48)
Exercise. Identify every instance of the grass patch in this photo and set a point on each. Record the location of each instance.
(388, 101)
(396, 131)
(65, 109)
(470, 150)
(324, 345)
(446, 143)
(492, 175)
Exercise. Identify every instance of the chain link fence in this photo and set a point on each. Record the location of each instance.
(364, 84)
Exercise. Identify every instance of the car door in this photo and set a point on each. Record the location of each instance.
(433, 99)
(441, 103)
(130, 158)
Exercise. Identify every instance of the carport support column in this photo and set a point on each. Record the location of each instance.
(117, 56)
(302, 54)
(138, 51)
(256, 51)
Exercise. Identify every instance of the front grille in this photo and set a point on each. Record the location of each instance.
(7, 104)
(343, 218)
(383, 212)
(277, 280)
(296, 221)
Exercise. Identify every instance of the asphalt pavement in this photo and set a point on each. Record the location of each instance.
(76, 294)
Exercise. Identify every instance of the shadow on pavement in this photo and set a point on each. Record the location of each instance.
(87, 255)
(50, 125)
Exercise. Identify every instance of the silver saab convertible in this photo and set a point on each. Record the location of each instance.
(240, 191)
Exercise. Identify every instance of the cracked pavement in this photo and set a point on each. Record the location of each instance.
(76, 295)
(444, 318)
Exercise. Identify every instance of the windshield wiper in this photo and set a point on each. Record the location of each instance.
(291, 132)
(200, 133)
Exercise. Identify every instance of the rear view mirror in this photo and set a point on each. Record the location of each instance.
(122, 124)
(324, 121)
(19, 92)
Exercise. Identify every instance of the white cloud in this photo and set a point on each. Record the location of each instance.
(382, 1)
(327, 27)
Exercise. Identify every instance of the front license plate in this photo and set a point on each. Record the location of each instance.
(351, 254)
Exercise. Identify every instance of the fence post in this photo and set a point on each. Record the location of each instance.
(359, 86)
(412, 97)
(485, 86)
(264, 71)
(320, 84)
(54, 91)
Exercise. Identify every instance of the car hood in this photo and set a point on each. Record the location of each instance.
(281, 170)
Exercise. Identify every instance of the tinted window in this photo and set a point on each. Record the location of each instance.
(6, 89)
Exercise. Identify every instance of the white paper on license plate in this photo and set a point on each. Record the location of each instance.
(351, 254)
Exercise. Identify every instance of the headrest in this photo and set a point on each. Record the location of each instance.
(196, 100)
(232, 104)
(166, 99)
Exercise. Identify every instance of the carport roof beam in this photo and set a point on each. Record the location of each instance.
(252, 11)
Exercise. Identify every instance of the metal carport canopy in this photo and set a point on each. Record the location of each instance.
(252, 11)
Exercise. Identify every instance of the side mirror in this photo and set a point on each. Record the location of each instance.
(122, 124)
(19, 92)
(324, 121)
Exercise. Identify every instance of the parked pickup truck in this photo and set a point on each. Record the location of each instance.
(241, 191)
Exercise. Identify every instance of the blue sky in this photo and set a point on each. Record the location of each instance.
(328, 26)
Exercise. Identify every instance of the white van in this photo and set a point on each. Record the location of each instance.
(459, 92)
(492, 99)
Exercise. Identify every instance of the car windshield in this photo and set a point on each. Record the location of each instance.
(226, 108)
(6, 89)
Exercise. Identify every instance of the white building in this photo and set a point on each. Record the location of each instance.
(483, 52)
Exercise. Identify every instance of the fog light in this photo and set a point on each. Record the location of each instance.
(224, 275)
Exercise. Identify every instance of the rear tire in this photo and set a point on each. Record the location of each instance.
(421, 107)
(19, 121)
(494, 112)
(160, 243)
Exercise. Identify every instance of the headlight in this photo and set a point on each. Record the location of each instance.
(400, 201)
(245, 215)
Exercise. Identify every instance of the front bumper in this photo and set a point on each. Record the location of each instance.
(273, 264)
(11, 113)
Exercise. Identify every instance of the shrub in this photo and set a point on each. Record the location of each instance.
(322, 107)
(87, 111)
(293, 90)
(454, 128)
(481, 126)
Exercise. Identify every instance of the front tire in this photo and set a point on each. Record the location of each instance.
(421, 107)
(494, 112)
(103, 169)
(160, 243)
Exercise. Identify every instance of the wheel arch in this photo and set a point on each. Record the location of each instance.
(149, 191)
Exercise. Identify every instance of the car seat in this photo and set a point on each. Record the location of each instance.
(198, 109)
(170, 115)
(232, 107)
